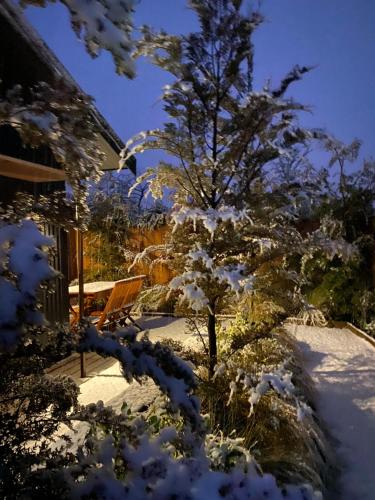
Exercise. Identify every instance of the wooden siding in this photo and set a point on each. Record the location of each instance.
(56, 303)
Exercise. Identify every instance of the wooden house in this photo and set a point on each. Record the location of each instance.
(25, 59)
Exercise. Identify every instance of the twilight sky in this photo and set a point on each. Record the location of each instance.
(337, 36)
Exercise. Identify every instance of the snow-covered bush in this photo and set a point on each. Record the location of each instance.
(266, 397)
(32, 404)
(339, 278)
(311, 315)
(263, 396)
(153, 469)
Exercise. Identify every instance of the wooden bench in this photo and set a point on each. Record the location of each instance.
(119, 304)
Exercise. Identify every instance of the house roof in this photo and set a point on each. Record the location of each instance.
(15, 17)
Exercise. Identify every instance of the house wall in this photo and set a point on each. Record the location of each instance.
(56, 303)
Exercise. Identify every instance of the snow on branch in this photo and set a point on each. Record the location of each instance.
(257, 385)
(235, 277)
(140, 358)
(192, 293)
(102, 24)
(232, 276)
(210, 218)
(148, 254)
(329, 240)
(23, 268)
(153, 467)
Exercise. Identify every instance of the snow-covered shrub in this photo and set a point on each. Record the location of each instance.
(311, 315)
(152, 468)
(263, 394)
(271, 398)
(370, 328)
(337, 281)
(32, 404)
(142, 458)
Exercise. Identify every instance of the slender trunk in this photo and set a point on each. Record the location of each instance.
(212, 397)
(211, 327)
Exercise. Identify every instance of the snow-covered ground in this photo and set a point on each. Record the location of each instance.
(343, 368)
(110, 386)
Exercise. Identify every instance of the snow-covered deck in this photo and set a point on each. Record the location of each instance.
(104, 380)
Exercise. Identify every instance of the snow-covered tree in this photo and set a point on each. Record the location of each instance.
(223, 135)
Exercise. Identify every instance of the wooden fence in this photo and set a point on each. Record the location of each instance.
(160, 273)
(138, 240)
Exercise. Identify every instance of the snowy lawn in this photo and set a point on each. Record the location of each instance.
(342, 366)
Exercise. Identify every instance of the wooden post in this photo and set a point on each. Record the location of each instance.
(81, 301)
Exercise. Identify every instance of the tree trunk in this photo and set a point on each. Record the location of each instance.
(211, 327)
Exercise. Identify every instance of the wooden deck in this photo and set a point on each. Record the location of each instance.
(71, 366)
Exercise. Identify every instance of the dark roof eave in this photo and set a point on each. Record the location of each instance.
(16, 18)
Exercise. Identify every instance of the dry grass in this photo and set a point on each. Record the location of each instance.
(294, 451)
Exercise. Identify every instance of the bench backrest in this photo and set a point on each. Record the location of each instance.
(122, 298)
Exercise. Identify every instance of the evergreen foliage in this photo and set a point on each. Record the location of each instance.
(342, 288)
(224, 136)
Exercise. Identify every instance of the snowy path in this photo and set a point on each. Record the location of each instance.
(343, 368)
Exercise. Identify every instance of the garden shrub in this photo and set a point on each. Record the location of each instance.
(157, 298)
(291, 448)
(282, 432)
(341, 289)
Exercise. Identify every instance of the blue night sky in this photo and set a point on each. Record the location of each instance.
(337, 36)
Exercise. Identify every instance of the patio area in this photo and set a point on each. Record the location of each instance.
(104, 380)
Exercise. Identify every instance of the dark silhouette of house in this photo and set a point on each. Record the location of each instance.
(26, 60)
